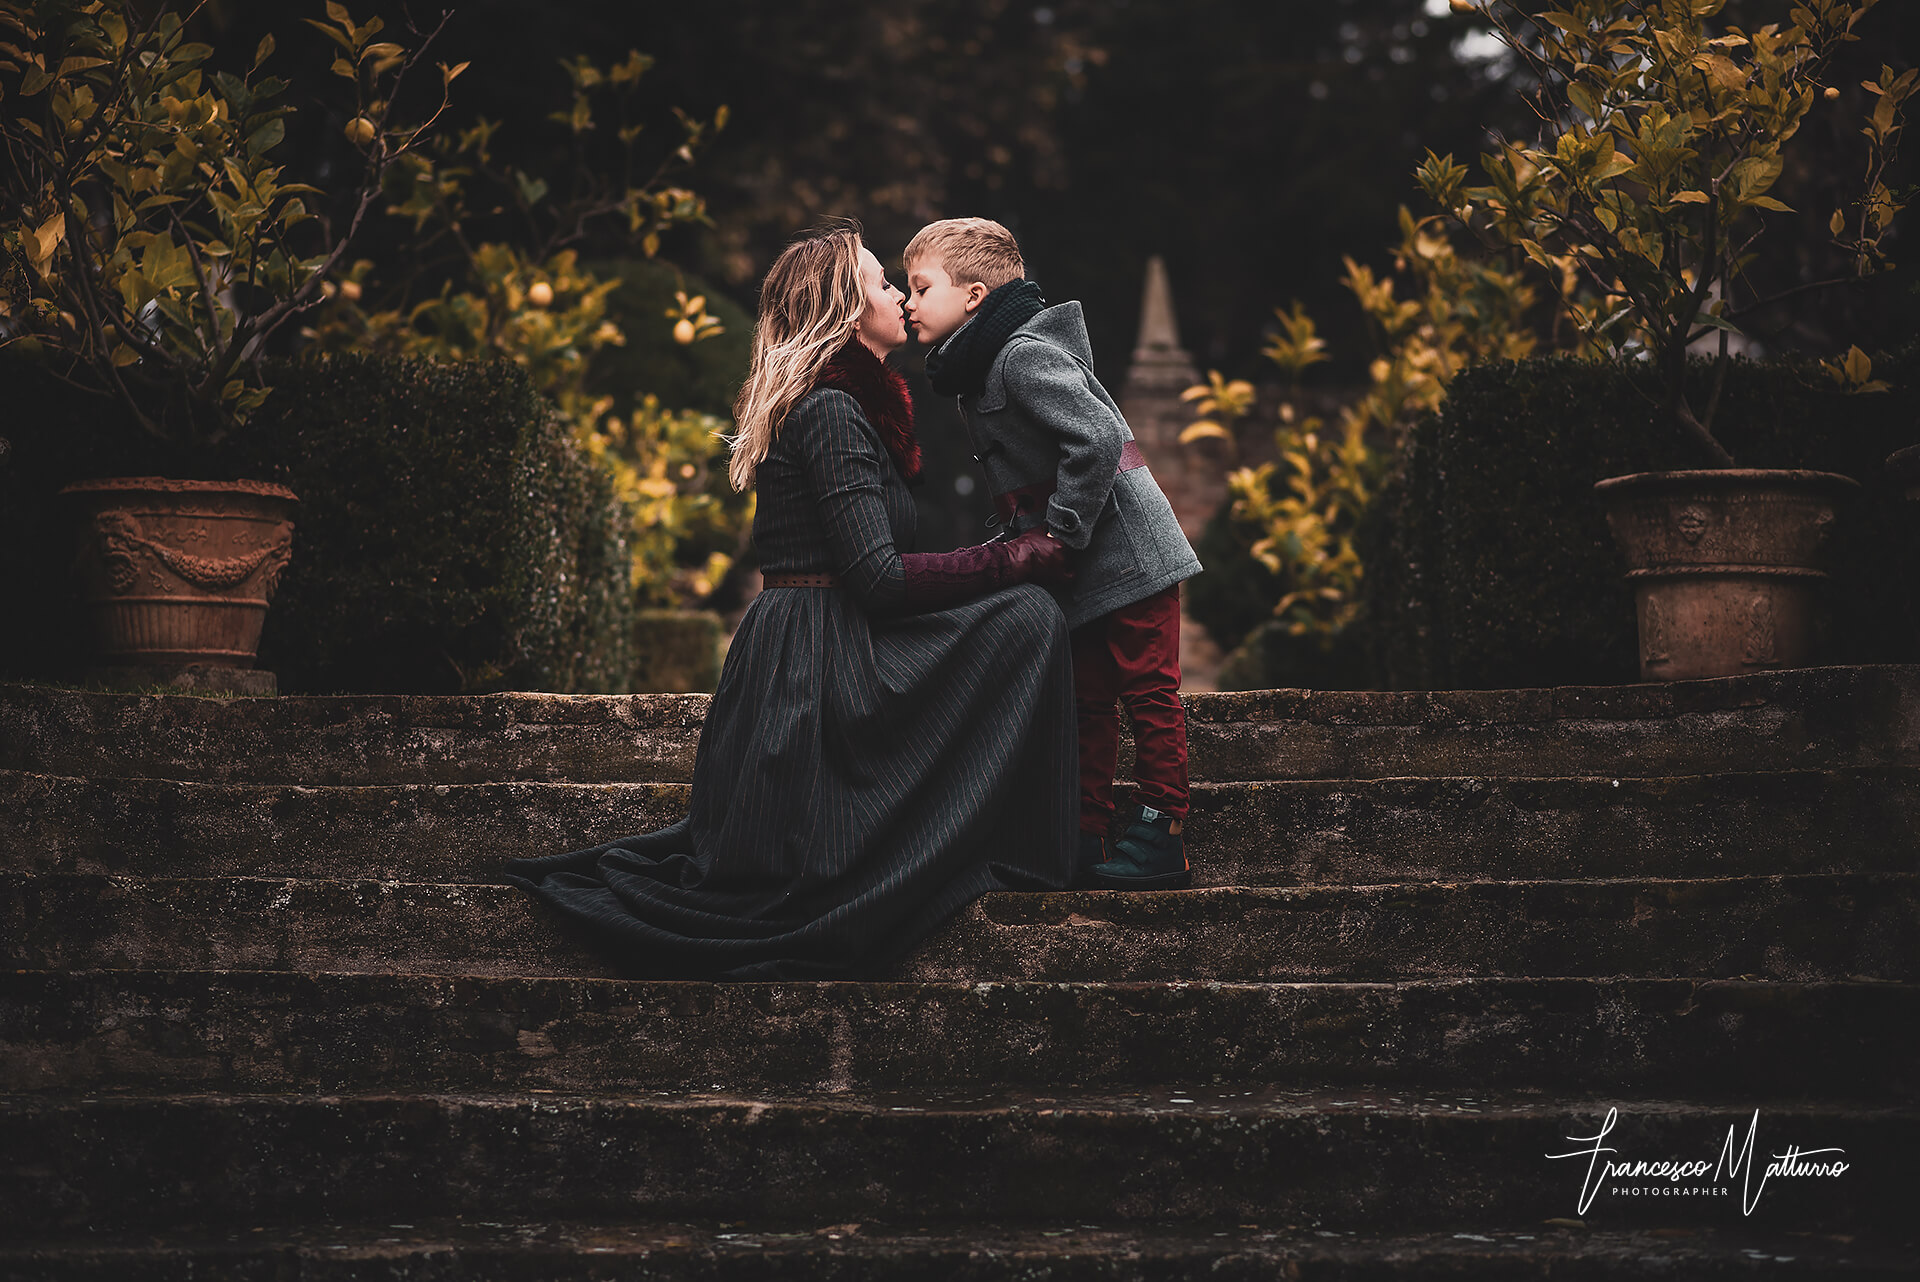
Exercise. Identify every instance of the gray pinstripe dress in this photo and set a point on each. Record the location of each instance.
(863, 773)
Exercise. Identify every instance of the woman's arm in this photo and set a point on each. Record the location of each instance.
(846, 470)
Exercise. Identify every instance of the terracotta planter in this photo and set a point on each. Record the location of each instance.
(1723, 565)
(177, 574)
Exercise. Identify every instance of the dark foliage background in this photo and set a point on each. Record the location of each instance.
(1489, 559)
(1252, 144)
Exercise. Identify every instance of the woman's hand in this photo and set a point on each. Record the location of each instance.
(936, 580)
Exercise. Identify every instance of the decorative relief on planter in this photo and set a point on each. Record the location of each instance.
(120, 540)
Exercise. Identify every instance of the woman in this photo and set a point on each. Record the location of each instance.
(893, 735)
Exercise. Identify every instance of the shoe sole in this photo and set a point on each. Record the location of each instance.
(1162, 881)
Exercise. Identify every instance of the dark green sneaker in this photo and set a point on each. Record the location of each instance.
(1093, 850)
(1149, 854)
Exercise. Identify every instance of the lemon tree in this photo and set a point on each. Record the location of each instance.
(150, 242)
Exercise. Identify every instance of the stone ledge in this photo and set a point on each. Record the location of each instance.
(869, 1252)
(1354, 832)
(1198, 1154)
(253, 1031)
(1800, 928)
(1806, 717)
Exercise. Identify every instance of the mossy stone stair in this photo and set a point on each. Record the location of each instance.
(266, 1015)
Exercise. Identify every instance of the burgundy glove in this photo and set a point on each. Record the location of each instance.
(934, 580)
(1038, 557)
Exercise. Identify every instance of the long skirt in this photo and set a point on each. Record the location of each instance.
(858, 781)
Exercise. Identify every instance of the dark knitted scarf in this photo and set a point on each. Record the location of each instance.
(883, 398)
(960, 364)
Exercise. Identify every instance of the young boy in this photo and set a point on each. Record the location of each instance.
(1057, 452)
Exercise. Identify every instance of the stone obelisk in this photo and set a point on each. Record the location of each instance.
(1150, 399)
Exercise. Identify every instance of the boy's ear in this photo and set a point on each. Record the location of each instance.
(976, 295)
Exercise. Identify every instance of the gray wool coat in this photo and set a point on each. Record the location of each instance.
(1055, 449)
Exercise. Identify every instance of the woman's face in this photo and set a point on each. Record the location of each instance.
(882, 326)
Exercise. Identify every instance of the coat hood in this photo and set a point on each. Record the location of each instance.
(1064, 325)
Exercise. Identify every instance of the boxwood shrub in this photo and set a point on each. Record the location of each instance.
(1488, 558)
(450, 537)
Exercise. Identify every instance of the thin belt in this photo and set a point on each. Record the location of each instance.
(783, 580)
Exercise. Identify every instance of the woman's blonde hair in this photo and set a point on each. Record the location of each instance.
(809, 304)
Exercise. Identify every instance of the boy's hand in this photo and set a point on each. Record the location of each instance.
(1038, 557)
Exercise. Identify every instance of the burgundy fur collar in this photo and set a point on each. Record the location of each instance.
(883, 398)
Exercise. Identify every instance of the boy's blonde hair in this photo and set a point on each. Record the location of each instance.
(969, 250)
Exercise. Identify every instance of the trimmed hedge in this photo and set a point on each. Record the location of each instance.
(451, 536)
(1489, 562)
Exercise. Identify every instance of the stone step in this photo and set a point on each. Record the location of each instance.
(868, 1252)
(1813, 718)
(1800, 928)
(1345, 1159)
(238, 1031)
(1346, 832)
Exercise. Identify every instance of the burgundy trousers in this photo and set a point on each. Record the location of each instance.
(1131, 657)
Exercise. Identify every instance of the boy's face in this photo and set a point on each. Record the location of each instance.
(935, 305)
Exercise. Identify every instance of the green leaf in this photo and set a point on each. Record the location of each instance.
(265, 138)
(1718, 322)
(1859, 365)
(237, 175)
(239, 97)
(1619, 314)
(1768, 202)
(263, 51)
(1612, 167)
(135, 292)
(332, 33)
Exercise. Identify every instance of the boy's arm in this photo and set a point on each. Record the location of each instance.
(1051, 387)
